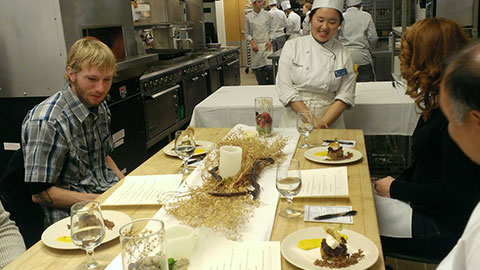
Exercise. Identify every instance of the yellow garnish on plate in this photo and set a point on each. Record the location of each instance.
(64, 239)
(306, 244)
(198, 151)
(319, 154)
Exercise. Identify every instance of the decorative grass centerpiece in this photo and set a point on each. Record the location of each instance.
(225, 205)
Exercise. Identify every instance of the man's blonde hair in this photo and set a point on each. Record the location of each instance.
(93, 53)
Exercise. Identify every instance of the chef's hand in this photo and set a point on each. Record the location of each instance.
(254, 46)
(268, 46)
(382, 186)
(319, 123)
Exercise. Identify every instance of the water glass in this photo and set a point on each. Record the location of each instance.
(263, 116)
(184, 147)
(305, 125)
(289, 184)
(143, 245)
(87, 230)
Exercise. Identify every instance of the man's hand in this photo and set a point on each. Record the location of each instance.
(382, 186)
(268, 46)
(320, 123)
(254, 46)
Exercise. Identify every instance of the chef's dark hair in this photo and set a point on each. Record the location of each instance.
(315, 10)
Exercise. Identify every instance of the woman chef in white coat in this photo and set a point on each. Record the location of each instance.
(317, 69)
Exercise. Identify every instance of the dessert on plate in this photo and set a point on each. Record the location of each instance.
(334, 251)
(335, 152)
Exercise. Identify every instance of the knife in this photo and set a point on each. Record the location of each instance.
(341, 142)
(341, 214)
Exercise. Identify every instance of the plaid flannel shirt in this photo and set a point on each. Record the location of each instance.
(65, 144)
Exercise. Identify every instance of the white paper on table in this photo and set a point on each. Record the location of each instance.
(312, 211)
(325, 183)
(343, 143)
(214, 252)
(143, 189)
(116, 263)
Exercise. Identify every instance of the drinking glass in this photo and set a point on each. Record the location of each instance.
(305, 125)
(143, 245)
(263, 116)
(87, 229)
(184, 147)
(289, 184)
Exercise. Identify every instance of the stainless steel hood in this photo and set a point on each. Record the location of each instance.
(36, 35)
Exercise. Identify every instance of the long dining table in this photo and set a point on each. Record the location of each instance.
(360, 198)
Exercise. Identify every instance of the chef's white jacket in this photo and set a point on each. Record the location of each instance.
(258, 26)
(279, 22)
(294, 29)
(358, 35)
(466, 253)
(310, 70)
(308, 66)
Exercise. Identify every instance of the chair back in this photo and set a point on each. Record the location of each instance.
(17, 200)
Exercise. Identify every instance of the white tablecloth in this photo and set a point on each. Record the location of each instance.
(379, 108)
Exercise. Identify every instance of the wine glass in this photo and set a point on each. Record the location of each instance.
(87, 229)
(289, 184)
(184, 147)
(305, 125)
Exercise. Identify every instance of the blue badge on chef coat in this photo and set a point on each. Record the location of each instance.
(340, 72)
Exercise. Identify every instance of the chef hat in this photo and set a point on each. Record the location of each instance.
(335, 4)
(353, 2)
(272, 2)
(286, 5)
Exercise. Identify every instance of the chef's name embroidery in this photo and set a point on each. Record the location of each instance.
(340, 72)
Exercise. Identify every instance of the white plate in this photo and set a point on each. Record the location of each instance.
(58, 230)
(202, 148)
(305, 258)
(314, 155)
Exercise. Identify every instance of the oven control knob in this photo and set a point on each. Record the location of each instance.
(108, 98)
(156, 82)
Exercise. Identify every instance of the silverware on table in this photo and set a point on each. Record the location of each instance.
(341, 142)
(341, 214)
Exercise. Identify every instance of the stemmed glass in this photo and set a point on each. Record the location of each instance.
(87, 229)
(305, 125)
(289, 184)
(184, 147)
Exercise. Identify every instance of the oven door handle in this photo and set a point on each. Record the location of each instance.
(165, 91)
(219, 68)
(195, 78)
(204, 74)
(233, 62)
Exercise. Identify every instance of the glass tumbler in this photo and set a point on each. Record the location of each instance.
(263, 116)
(143, 245)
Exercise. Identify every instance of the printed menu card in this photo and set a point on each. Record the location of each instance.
(325, 183)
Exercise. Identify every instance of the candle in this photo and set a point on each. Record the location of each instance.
(230, 161)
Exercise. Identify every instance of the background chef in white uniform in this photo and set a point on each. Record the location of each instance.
(317, 68)
(459, 100)
(306, 8)
(358, 36)
(279, 22)
(294, 27)
(259, 32)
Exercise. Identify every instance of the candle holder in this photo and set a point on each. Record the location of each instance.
(263, 116)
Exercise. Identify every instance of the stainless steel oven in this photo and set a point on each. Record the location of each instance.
(214, 75)
(231, 69)
(194, 85)
(162, 94)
